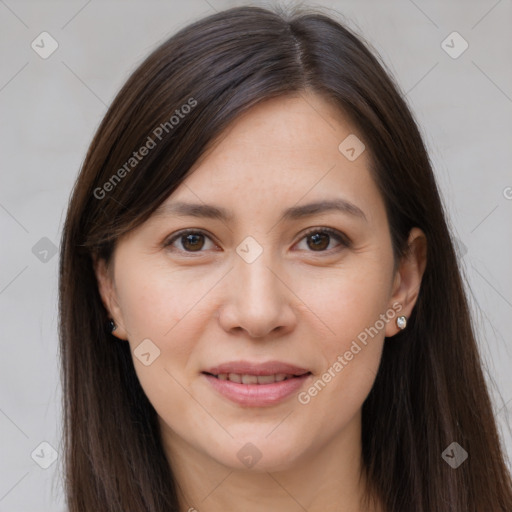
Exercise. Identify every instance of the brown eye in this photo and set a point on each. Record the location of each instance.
(318, 240)
(190, 241)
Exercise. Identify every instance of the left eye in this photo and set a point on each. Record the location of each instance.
(320, 239)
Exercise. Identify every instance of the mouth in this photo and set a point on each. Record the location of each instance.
(256, 384)
(255, 379)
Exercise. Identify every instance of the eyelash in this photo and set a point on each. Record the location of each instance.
(340, 237)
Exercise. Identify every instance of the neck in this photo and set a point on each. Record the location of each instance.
(329, 479)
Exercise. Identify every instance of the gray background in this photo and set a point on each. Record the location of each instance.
(51, 107)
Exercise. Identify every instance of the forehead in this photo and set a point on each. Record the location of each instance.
(282, 151)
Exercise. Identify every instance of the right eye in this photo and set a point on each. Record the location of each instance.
(190, 240)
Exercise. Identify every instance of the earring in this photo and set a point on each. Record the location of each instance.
(401, 322)
(111, 325)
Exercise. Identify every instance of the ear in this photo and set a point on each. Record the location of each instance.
(407, 280)
(107, 290)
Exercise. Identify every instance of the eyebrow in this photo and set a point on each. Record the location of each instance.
(293, 213)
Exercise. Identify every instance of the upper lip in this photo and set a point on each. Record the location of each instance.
(250, 368)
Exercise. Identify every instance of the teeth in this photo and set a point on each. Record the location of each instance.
(249, 379)
(253, 379)
(266, 379)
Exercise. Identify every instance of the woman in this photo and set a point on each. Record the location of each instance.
(261, 307)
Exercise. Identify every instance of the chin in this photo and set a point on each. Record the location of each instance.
(258, 454)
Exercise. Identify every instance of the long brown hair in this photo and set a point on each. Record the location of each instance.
(430, 389)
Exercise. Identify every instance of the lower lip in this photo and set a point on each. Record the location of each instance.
(257, 395)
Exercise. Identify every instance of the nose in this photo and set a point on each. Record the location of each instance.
(258, 300)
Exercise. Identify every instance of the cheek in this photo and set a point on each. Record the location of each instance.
(351, 361)
(170, 308)
(155, 302)
(350, 305)
(156, 306)
(346, 301)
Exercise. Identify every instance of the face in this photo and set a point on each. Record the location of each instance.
(273, 290)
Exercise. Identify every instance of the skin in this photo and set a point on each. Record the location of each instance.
(295, 303)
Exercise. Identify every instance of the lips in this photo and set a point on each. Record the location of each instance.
(256, 384)
(245, 368)
(254, 379)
